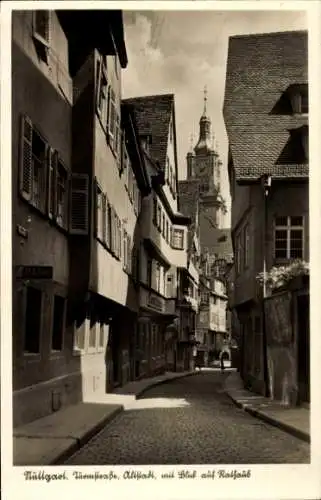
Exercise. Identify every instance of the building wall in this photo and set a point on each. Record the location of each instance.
(43, 92)
(107, 275)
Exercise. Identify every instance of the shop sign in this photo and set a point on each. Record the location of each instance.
(156, 303)
(34, 272)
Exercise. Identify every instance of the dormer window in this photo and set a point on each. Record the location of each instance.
(299, 98)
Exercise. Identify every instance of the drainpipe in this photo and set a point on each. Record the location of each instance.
(266, 183)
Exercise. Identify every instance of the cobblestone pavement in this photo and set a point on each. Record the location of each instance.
(189, 421)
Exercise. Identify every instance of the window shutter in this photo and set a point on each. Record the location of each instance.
(54, 193)
(129, 254)
(108, 225)
(103, 216)
(98, 83)
(79, 204)
(119, 229)
(50, 182)
(26, 158)
(125, 250)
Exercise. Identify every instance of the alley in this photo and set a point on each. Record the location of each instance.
(189, 421)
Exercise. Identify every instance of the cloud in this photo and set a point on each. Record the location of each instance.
(181, 52)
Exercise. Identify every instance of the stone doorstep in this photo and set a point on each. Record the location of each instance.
(52, 439)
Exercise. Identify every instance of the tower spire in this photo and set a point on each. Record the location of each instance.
(204, 141)
(191, 142)
(205, 100)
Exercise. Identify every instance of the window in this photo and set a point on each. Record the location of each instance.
(127, 253)
(101, 335)
(108, 227)
(167, 231)
(149, 272)
(178, 239)
(33, 166)
(80, 334)
(155, 211)
(159, 217)
(289, 232)
(58, 323)
(101, 89)
(92, 332)
(163, 225)
(41, 27)
(300, 100)
(33, 320)
(117, 144)
(246, 246)
(100, 212)
(111, 116)
(62, 196)
(158, 277)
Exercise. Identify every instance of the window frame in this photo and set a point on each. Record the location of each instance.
(288, 228)
(45, 42)
(180, 232)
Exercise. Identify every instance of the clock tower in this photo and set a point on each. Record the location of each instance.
(203, 164)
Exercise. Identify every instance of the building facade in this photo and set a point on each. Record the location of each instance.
(79, 178)
(164, 236)
(267, 127)
(203, 182)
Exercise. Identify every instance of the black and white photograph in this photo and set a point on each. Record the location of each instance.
(160, 240)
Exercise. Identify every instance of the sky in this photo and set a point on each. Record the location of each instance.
(180, 52)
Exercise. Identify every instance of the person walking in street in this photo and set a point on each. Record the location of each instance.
(222, 363)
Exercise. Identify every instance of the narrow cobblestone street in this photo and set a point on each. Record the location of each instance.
(189, 421)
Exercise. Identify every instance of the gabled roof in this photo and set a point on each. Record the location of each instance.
(153, 115)
(260, 70)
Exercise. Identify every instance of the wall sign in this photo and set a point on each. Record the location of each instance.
(34, 272)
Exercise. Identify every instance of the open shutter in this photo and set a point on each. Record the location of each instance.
(125, 263)
(79, 204)
(108, 224)
(26, 158)
(103, 216)
(98, 84)
(50, 182)
(129, 254)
